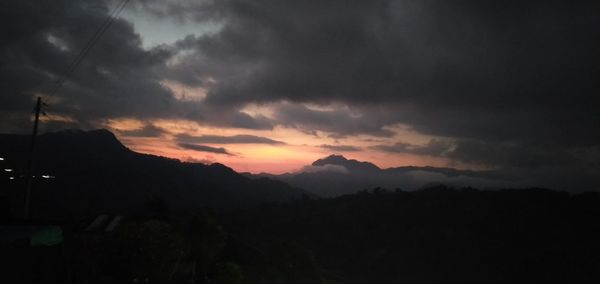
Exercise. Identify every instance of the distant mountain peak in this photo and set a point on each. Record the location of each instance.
(349, 164)
(331, 160)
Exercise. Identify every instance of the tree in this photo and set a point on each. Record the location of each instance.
(151, 250)
(206, 239)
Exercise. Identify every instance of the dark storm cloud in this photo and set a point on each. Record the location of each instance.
(519, 70)
(181, 10)
(521, 155)
(244, 120)
(235, 139)
(339, 122)
(204, 148)
(116, 78)
(341, 148)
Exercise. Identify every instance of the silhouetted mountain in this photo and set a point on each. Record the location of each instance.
(335, 175)
(351, 165)
(93, 172)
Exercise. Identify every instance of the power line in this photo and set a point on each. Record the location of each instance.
(88, 46)
(38, 108)
(29, 170)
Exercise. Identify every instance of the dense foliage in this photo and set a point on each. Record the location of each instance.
(436, 235)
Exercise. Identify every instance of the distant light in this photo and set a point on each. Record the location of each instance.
(47, 176)
(1, 159)
(8, 170)
(11, 178)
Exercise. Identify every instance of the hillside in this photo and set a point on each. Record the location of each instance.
(93, 172)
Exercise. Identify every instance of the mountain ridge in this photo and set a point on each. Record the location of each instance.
(349, 164)
(336, 175)
(95, 173)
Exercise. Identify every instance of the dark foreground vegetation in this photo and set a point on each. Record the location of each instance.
(435, 235)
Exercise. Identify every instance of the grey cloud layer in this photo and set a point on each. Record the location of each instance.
(435, 147)
(148, 130)
(117, 78)
(341, 148)
(339, 122)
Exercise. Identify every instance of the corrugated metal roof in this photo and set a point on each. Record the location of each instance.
(104, 223)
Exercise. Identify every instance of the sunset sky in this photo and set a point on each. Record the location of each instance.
(272, 85)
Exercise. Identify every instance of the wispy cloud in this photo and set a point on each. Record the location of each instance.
(235, 139)
(341, 148)
(435, 147)
(204, 148)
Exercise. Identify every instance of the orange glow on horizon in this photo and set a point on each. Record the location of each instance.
(299, 149)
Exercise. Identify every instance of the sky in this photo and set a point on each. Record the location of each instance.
(272, 85)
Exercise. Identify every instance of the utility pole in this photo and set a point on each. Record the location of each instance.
(29, 170)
